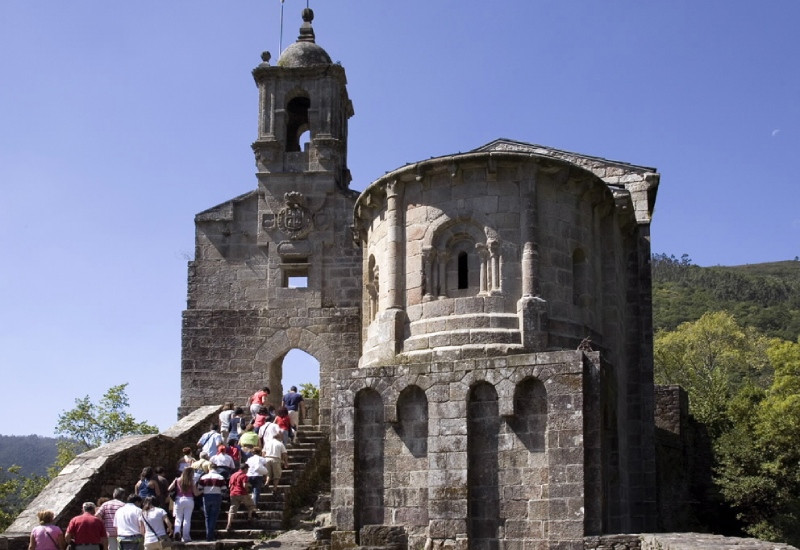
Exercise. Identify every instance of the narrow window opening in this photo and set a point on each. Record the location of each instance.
(298, 281)
(297, 122)
(463, 270)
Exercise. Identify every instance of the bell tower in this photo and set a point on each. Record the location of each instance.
(305, 94)
(276, 269)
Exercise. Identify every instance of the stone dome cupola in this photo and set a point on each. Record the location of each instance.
(305, 52)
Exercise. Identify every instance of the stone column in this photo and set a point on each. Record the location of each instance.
(428, 284)
(441, 259)
(483, 254)
(527, 270)
(394, 250)
(527, 224)
(493, 248)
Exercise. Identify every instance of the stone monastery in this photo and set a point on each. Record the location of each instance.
(483, 327)
(485, 344)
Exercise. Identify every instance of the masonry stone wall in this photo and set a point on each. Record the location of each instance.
(679, 541)
(98, 472)
(685, 464)
(501, 454)
(485, 352)
(494, 253)
(276, 269)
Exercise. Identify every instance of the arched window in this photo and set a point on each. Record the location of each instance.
(296, 122)
(456, 264)
(463, 267)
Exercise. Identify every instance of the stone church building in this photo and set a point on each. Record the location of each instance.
(482, 323)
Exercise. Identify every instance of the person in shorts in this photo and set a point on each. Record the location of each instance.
(240, 496)
(277, 456)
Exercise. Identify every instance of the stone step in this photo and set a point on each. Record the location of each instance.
(269, 521)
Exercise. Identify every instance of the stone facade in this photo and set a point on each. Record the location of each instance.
(477, 267)
(485, 345)
(483, 326)
(277, 269)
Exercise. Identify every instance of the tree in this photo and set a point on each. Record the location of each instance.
(309, 391)
(85, 427)
(16, 491)
(758, 458)
(88, 425)
(711, 358)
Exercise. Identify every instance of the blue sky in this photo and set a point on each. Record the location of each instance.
(120, 121)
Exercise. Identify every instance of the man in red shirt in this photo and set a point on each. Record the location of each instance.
(258, 400)
(86, 531)
(240, 495)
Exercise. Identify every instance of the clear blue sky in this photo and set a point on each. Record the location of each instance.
(119, 121)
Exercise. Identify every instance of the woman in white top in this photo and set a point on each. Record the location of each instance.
(256, 472)
(156, 523)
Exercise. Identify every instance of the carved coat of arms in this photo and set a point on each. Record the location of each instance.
(295, 219)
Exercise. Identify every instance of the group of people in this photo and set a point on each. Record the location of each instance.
(114, 525)
(239, 456)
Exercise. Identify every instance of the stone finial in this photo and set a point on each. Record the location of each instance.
(265, 57)
(306, 30)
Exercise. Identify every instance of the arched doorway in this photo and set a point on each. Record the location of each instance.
(301, 370)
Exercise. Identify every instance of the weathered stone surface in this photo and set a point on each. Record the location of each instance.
(98, 472)
(485, 347)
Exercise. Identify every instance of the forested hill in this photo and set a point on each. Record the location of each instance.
(764, 296)
(34, 454)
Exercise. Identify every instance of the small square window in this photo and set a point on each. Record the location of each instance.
(295, 274)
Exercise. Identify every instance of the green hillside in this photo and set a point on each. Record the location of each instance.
(764, 296)
(34, 454)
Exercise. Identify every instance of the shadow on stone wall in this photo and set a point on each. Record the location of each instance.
(96, 473)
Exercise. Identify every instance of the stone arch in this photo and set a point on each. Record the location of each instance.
(269, 359)
(483, 490)
(368, 467)
(412, 420)
(529, 421)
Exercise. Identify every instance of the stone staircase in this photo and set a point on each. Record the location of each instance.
(309, 461)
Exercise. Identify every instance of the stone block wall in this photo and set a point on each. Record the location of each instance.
(497, 253)
(421, 224)
(463, 448)
(227, 353)
(679, 541)
(243, 315)
(685, 462)
(98, 472)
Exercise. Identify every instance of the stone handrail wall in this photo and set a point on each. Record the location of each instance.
(96, 473)
(679, 541)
